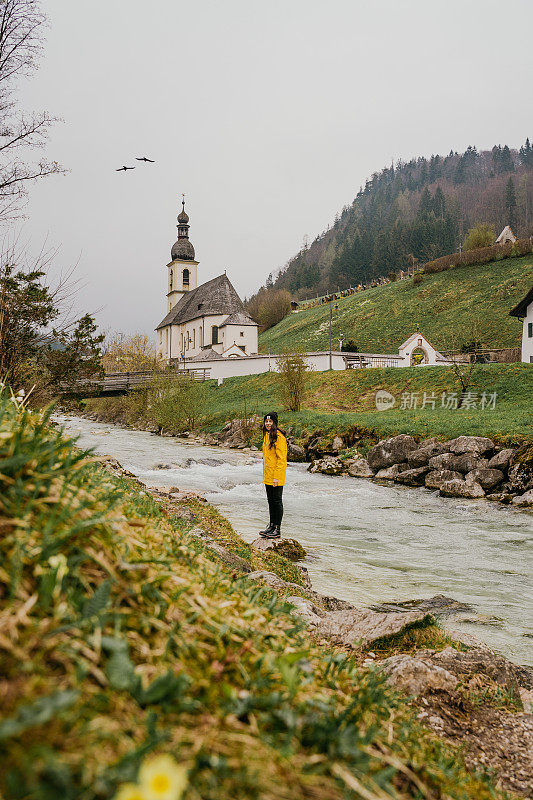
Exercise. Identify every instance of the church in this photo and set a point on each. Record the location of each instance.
(203, 322)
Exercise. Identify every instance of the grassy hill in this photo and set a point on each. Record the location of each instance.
(338, 401)
(448, 305)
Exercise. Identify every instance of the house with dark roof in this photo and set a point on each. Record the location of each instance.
(524, 311)
(202, 322)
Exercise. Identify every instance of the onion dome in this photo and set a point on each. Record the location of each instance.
(182, 249)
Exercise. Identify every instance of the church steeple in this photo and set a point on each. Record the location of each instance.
(183, 267)
(182, 249)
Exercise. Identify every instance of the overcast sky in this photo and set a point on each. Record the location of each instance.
(269, 116)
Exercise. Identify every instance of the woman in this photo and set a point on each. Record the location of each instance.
(274, 469)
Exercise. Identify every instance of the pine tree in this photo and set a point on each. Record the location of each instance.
(439, 203)
(425, 206)
(510, 204)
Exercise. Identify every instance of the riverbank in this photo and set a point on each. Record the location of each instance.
(138, 637)
(345, 402)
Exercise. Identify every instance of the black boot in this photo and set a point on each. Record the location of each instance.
(275, 533)
(267, 530)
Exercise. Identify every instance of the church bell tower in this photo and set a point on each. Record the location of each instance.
(183, 268)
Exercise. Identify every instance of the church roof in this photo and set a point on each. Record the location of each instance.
(216, 296)
(207, 355)
(520, 310)
(238, 318)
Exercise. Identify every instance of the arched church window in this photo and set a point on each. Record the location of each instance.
(185, 277)
(171, 279)
(214, 334)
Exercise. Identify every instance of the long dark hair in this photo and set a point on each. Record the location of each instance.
(272, 433)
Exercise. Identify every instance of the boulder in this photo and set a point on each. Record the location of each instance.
(289, 548)
(229, 559)
(420, 457)
(467, 462)
(480, 660)
(269, 578)
(412, 477)
(470, 444)
(500, 497)
(389, 473)
(487, 478)
(416, 676)
(437, 477)
(501, 460)
(323, 600)
(295, 452)
(459, 488)
(390, 451)
(439, 605)
(306, 610)
(359, 627)
(337, 444)
(521, 470)
(524, 500)
(330, 465)
(442, 461)
(359, 468)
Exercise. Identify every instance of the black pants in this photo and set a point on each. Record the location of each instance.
(275, 503)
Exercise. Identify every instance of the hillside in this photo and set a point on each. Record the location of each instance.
(451, 307)
(414, 212)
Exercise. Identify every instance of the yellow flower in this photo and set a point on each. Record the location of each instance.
(162, 778)
(130, 791)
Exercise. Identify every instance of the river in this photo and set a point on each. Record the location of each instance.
(367, 543)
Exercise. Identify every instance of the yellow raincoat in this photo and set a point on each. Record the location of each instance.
(274, 460)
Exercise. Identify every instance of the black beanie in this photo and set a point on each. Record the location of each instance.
(273, 416)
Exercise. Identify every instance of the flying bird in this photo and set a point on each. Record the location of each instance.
(123, 169)
(149, 160)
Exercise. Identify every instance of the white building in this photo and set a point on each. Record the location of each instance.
(506, 236)
(524, 311)
(416, 350)
(206, 321)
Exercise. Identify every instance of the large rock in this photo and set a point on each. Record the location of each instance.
(330, 465)
(524, 500)
(487, 478)
(337, 444)
(289, 548)
(306, 610)
(416, 676)
(437, 477)
(359, 468)
(470, 444)
(467, 462)
(295, 452)
(360, 627)
(412, 477)
(501, 460)
(521, 470)
(389, 473)
(479, 660)
(391, 451)
(322, 600)
(459, 488)
(420, 457)
(229, 559)
(439, 605)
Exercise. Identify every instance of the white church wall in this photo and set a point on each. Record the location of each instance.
(243, 336)
(255, 365)
(527, 336)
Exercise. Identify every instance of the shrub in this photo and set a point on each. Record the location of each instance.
(293, 373)
(481, 236)
(178, 401)
(417, 279)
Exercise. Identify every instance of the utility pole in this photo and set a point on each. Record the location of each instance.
(330, 318)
